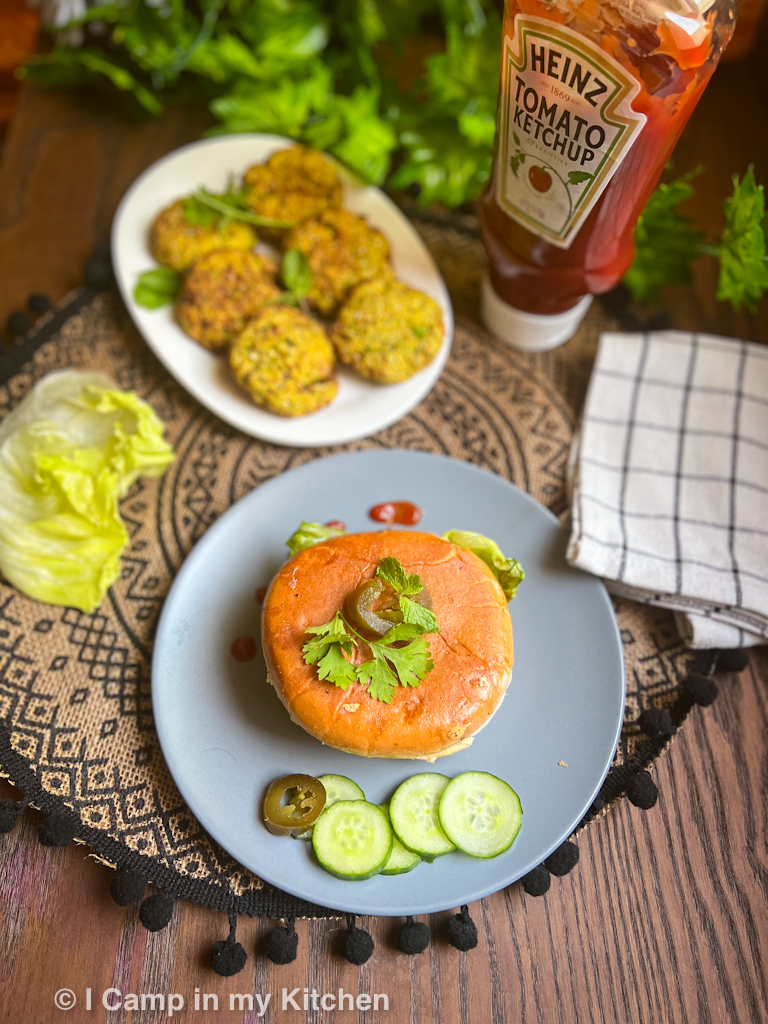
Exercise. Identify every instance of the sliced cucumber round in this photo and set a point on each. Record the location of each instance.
(352, 839)
(480, 814)
(337, 787)
(400, 860)
(413, 813)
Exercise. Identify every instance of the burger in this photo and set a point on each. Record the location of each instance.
(392, 643)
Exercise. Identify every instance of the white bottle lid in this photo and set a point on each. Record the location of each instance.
(532, 332)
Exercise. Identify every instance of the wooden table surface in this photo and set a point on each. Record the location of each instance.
(665, 919)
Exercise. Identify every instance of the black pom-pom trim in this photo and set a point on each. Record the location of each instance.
(156, 911)
(128, 887)
(700, 689)
(358, 944)
(642, 791)
(731, 661)
(18, 324)
(563, 859)
(414, 937)
(58, 829)
(10, 811)
(39, 303)
(656, 723)
(538, 881)
(597, 804)
(228, 956)
(282, 943)
(462, 932)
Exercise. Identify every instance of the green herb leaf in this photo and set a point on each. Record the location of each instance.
(418, 615)
(392, 572)
(377, 675)
(158, 287)
(665, 242)
(232, 205)
(199, 214)
(327, 650)
(412, 662)
(743, 271)
(507, 571)
(296, 273)
(309, 534)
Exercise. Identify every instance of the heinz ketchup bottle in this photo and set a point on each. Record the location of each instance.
(594, 95)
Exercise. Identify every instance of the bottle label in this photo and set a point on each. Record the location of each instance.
(566, 124)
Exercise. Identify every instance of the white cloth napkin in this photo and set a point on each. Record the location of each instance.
(670, 481)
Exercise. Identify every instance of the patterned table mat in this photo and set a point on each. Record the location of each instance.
(76, 722)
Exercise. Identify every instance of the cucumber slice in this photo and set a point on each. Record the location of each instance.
(352, 839)
(337, 787)
(400, 860)
(413, 813)
(480, 814)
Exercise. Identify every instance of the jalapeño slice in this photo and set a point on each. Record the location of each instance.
(293, 804)
(373, 608)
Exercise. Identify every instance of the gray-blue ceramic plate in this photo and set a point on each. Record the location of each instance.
(226, 736)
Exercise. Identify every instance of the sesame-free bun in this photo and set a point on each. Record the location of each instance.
(472, 653)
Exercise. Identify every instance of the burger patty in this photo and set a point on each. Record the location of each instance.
(472, 654)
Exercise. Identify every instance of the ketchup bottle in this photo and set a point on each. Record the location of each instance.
(594, 96)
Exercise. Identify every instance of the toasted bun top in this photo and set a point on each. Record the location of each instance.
(472, 653)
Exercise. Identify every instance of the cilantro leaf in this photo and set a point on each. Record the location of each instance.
(412, 662)
(327, 648)
(665, 242)
(743, 270)
(156, 288)
(199, 214)
(296, 273)
(309, 534)
(419, 616)
(377, 675)
(392, 572)
(507, 571)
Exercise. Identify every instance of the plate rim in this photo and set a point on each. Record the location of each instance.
(432, 371)
(354, 906)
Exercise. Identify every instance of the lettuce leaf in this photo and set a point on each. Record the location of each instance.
(309, 534)
(68, 453)
(507, 571)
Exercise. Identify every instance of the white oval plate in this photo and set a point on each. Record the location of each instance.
(360, 407)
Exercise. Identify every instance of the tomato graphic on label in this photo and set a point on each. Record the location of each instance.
(540, 179)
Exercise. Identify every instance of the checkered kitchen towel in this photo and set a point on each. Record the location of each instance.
(670, 481)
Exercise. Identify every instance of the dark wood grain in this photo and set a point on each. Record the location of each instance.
(665, 919)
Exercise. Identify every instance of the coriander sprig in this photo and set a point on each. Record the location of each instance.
(666, 242)
(407, 664)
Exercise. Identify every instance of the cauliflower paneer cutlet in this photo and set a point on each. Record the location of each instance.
(342, 251)
(293, 185)
(177, 243)
(285, 361)
(387, 331)
(221, 293)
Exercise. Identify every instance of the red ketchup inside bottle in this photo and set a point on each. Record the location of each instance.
(594, 97)
(401, 513)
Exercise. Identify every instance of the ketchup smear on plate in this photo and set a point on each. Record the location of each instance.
(404, 513)
(243, 649)
(336, 524)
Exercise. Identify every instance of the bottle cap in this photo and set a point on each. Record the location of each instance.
(532, 332)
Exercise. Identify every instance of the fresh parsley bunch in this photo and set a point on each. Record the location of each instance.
(319, 71)
(666, 242)
(399, 658)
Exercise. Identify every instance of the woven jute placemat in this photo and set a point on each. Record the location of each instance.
(76, 726)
